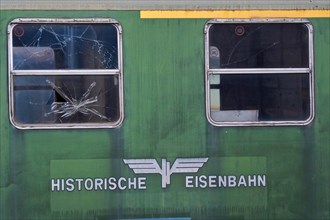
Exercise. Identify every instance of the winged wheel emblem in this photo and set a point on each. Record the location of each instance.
(180, 165)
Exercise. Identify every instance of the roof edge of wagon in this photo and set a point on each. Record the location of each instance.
(164, 5)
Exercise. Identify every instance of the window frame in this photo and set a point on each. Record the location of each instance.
(65, 72)
(209, 72)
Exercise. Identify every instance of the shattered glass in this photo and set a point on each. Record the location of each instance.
(75, 46)
(65, 98)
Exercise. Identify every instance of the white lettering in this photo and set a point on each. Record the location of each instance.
(241, 181)
(121, 187)
(212, 181)
(262, 180)
(55, 184)
(69, 184)
(189, 180)
(252, 180)
(79, 181)
(112, 183)
(231, 181)
(222, 181)
(105, 184)
(88, 184)
(98, 183)
(203, 182)
(142, 183)
(122, 183)
(131, 183)
(62, 184)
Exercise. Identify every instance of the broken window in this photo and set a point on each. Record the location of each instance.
(259, 72)
(65, 73)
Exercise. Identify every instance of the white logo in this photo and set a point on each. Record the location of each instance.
(180, 165)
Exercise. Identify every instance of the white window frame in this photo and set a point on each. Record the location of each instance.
(68, 72)
(209, 72)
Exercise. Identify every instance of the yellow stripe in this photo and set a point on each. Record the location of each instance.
(235, 14)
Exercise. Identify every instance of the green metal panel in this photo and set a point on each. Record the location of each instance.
(165, 119)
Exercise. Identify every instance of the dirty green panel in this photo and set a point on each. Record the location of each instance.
(164, 89)
(165, 119)
(6, 187)
(177, 199)
(319, 152)
(26, 155)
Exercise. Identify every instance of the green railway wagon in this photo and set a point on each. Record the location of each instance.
(164, 111)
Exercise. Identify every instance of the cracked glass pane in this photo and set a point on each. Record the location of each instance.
(62, 46)
(66, 99)
(259, 45)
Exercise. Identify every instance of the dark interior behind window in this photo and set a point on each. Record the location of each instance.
(260, 45)
(275, 96)
(259, 72)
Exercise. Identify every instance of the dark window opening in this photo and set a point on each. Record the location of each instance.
(276, 97)
(259, 72)
(261, 45)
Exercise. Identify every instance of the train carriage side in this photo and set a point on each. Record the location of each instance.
(127, 114)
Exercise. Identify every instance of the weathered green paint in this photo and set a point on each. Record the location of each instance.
(165, 118)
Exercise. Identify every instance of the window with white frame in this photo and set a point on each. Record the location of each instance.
(65, 73)
(259, 72)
